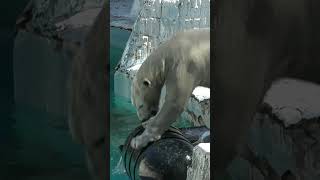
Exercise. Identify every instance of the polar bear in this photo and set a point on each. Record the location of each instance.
(180, 64)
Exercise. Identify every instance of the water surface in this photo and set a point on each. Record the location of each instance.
(122, 114)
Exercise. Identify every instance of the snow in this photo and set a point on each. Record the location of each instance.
(201, 93)
(205, 146)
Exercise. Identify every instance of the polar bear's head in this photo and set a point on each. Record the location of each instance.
(145, 96)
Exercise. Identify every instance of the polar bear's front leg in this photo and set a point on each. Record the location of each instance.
(157, 125)
(177, 96)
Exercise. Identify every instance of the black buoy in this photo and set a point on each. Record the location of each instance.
(167, 158)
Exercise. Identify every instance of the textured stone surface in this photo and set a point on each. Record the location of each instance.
(40, 73)
(42, 63)
(156, 22)
(45, 13)
(286, 132)
(294, 100)
(200, 167)
(198, 107)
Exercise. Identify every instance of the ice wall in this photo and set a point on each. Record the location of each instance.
(136, 7)
(159, 20)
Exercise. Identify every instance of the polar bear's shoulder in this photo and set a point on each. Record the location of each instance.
(200, 34)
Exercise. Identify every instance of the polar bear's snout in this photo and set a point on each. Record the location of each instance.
(146, 114)
(154, 112)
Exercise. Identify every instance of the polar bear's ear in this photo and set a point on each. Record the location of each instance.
(146, 82)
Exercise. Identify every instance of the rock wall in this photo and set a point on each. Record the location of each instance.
(200, 166)
(44, 14)
(286, 132)
(43, 56)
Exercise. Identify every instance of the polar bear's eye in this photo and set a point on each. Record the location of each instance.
(141, 106)
(146, 82)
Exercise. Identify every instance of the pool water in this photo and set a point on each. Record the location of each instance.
(123, 118)
(36, 145)
(122, 114)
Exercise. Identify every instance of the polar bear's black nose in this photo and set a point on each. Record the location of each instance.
(153, 112)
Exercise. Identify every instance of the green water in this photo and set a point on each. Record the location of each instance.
(122, 114)
(123, 121)
(40, 147)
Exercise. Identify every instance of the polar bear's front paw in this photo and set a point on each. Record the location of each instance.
(149, 122)
(145, 124)
(138, 142)
(142, 140)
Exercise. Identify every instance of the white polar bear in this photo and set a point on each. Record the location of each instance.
(181, 64)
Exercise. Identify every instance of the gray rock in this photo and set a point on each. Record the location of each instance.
(286, 132)
(200, 167)
(42, 63)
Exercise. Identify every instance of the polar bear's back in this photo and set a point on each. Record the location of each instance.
(192, 47)
(194, 34)
(189, 49)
